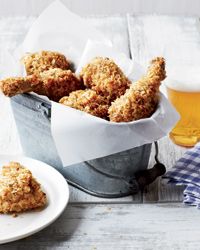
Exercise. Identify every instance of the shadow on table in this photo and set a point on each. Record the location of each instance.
(55, 235)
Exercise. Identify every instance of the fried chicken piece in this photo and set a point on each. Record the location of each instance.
(141, 99)
(58, 83)
(18, 85)
(54, 83)
(19, 191)
(36, 63)
(88, 101)
(105, 77)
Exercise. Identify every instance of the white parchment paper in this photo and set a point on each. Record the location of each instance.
(58, 29)
(79, 136)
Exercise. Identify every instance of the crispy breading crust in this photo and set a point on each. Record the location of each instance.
(19, 191)
(141, 99)
(18, 85)
(58, 83)
(105, 77)
(36, 63)
(88, 101)
(54, 83)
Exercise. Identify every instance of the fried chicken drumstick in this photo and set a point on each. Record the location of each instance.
(36, 63)
(54, 83)
(105, 77)
(88, 101)
(18, 85)
(141, 99)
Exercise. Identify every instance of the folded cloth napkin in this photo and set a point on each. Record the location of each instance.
(186, 172)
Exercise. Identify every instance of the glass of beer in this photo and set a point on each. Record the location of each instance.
(184, 94)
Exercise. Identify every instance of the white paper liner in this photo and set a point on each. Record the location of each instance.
(59, 29)
(79, 136)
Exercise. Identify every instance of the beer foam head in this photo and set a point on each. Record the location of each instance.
(184, 78)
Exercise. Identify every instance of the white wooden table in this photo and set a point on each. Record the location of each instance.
(153, 219)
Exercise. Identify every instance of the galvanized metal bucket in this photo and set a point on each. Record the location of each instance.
(110, 176)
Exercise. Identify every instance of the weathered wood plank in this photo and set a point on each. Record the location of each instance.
(9, 140)
(175, 38)
(108, 7)
(107, 227)
(12, 31)
(77, 196)
(115, 28)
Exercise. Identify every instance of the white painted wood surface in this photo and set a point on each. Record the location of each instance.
(108, 7)
(175, 38)
(119, 225)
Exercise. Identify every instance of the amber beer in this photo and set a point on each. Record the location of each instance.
(187, 103)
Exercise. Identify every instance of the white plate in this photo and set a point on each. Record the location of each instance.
(56, 188)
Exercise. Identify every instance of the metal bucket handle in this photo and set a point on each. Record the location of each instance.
(146, 177)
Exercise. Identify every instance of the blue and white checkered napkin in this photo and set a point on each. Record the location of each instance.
(186, 172)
